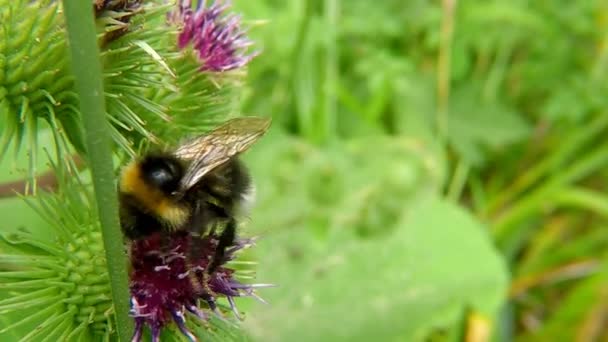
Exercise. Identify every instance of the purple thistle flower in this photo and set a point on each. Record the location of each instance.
(168, 278)
(215, 36)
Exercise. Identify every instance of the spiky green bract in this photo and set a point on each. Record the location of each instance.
(201, 101)
(35, 82)
(132, 65)
(153, 86)
(150, 85)
(57, 290)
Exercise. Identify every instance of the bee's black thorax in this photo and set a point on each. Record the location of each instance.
(163, 172)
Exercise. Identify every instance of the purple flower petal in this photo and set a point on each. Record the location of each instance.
(217, 38)
(156, 334)
(169, 275)
(234, 308)
(139, 327)
(197, 312)
(180, 321)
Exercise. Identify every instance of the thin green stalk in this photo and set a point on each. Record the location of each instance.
(585, 199)
(601, 61)
(444, 67)
(497, 73)
(331, 69)
(303, 118)
(570, 147)
(545, 194)
(87, 71)
(459, 179)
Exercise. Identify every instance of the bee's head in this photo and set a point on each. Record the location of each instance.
(162, 172)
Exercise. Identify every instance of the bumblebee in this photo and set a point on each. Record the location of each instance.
(195, 187)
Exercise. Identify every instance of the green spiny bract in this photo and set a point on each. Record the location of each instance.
(35, 82)
(150, 85)
(61, 283)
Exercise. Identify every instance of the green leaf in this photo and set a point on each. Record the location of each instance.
(398, 287)
(478, 126)
(361, 247)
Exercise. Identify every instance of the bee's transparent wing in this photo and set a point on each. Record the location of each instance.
(213, 149)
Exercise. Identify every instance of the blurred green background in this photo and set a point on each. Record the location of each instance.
(435, 170)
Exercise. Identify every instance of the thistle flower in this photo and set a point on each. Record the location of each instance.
(169, 277)
(216, 37)
(61, 286)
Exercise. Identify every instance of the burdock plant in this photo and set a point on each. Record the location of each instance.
(108, 78)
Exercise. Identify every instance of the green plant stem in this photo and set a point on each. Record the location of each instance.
(546, 194)
(87, 71)
(444, 67)
(585, 199)
(332, 8)
(459, 179)
(303, 117)
(496, 74)
(572, 144)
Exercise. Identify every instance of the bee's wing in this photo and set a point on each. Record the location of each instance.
(213, 149)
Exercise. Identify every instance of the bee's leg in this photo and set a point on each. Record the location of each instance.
(226, 240)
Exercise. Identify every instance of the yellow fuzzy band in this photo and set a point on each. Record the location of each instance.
(151, 199)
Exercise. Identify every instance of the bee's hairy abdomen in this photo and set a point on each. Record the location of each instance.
(218, 196)
(135, 222)
(240, 181)
(229, 184)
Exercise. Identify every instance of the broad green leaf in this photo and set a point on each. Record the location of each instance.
(477, 126)
(398, 287)
(360, 245)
